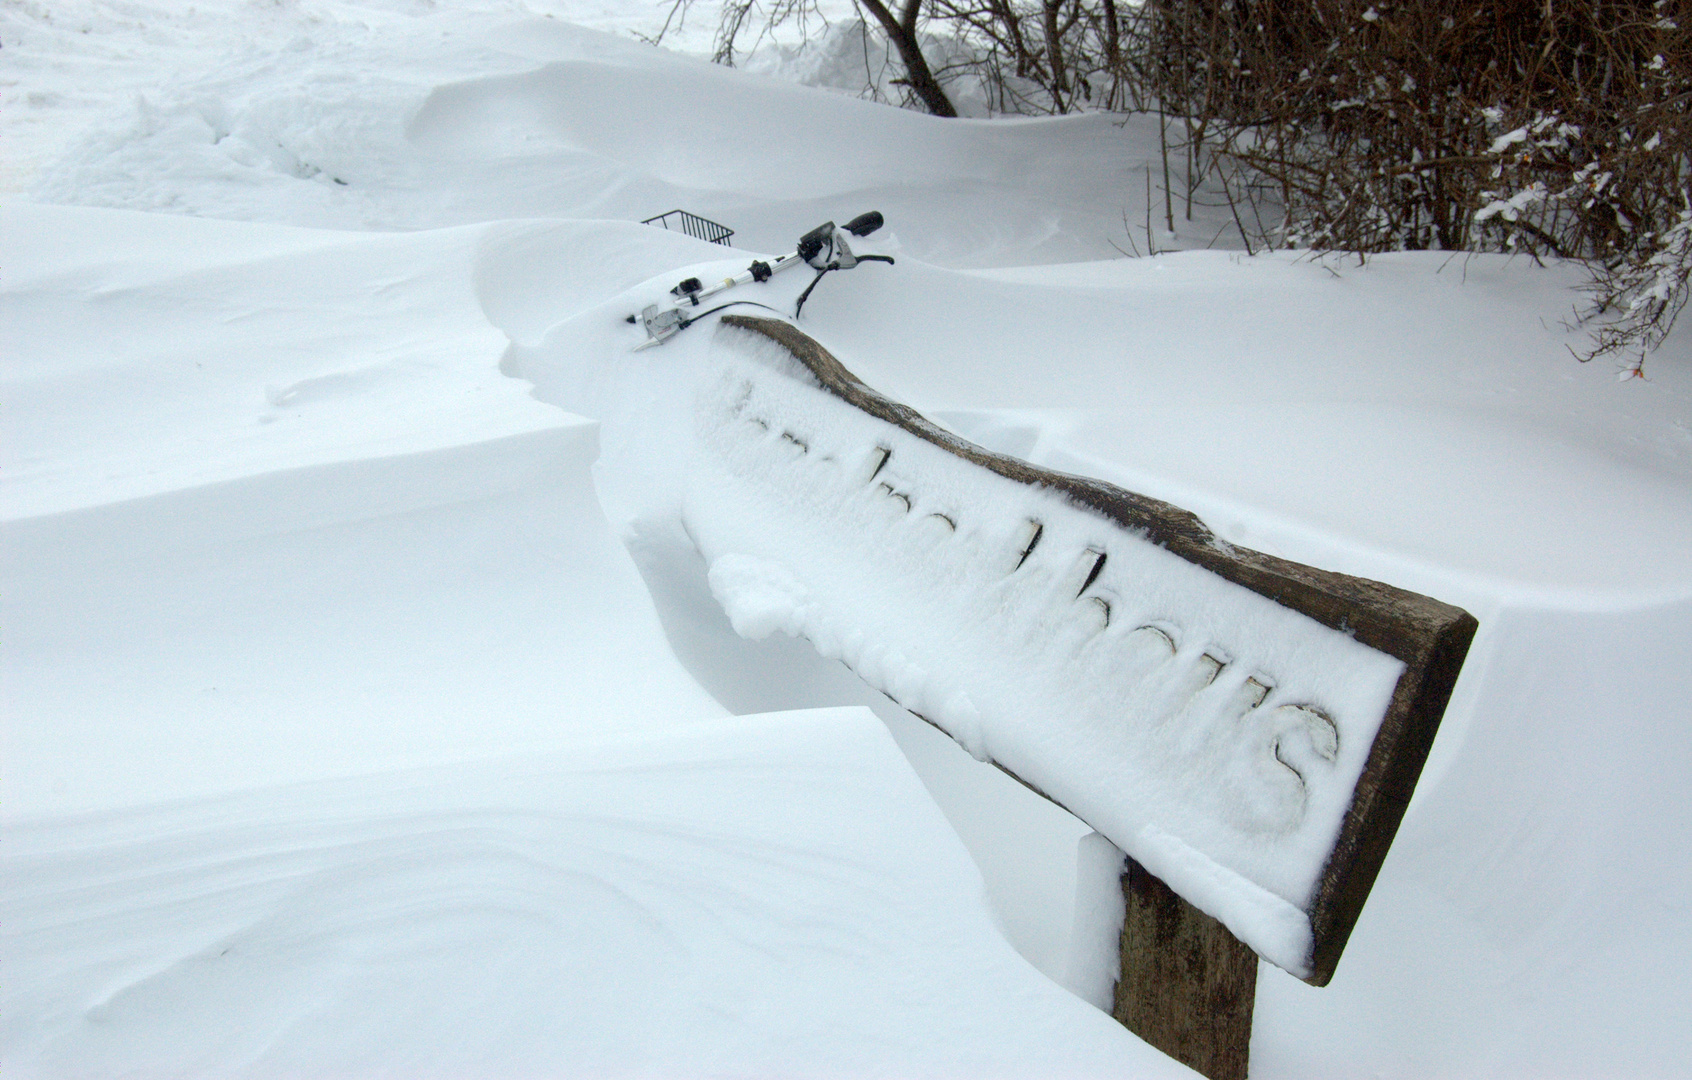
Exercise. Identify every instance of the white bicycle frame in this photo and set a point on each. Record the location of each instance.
(823, 248)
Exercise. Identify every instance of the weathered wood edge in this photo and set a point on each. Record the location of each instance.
(1188, 986)
(1383, 790)
(1429, 636)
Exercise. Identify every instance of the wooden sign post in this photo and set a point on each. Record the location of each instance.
(1314, 746)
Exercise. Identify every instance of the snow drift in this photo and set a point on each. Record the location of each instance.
(1415, 420)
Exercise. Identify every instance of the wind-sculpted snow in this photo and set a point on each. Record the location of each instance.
(324, 620)
(153, 352)
(770, 895)
(513, 117)
(271, 512)
(281, 505)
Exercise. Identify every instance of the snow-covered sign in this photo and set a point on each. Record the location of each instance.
(1246, 728)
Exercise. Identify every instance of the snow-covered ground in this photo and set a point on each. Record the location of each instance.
(367, 709)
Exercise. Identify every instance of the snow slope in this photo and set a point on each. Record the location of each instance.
(630, 907)
(325, 462)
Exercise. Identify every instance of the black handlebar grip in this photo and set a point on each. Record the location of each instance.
(864, 224)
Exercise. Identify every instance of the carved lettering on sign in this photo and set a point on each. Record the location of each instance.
(1259, 765)
(1250, 728)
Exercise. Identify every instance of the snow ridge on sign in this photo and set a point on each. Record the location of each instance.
(1208, 731)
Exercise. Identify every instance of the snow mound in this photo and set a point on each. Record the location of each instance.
(265, 347)
(770, 895)
(408, 563)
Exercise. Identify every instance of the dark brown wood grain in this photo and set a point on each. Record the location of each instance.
(1429, 636)
(1187, 986)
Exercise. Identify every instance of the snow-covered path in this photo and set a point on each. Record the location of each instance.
(363, 707)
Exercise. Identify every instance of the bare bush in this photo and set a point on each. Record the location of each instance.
(1553, 127)
(1048, 56)
(1044, 56)
(1549, 127)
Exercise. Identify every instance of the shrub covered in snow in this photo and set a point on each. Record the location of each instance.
(1351, 125)
(1493, 125)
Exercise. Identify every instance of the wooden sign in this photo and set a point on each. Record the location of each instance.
(1247, 729)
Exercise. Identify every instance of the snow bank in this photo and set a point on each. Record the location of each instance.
(154, 352)
(1409, 421)
(271, 512)
(387, 114)
(1416, 420)
(768, 895)
(322, 621)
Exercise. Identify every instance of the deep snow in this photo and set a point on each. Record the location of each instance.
(628, 907)
(1213, 734)
(325, 461)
